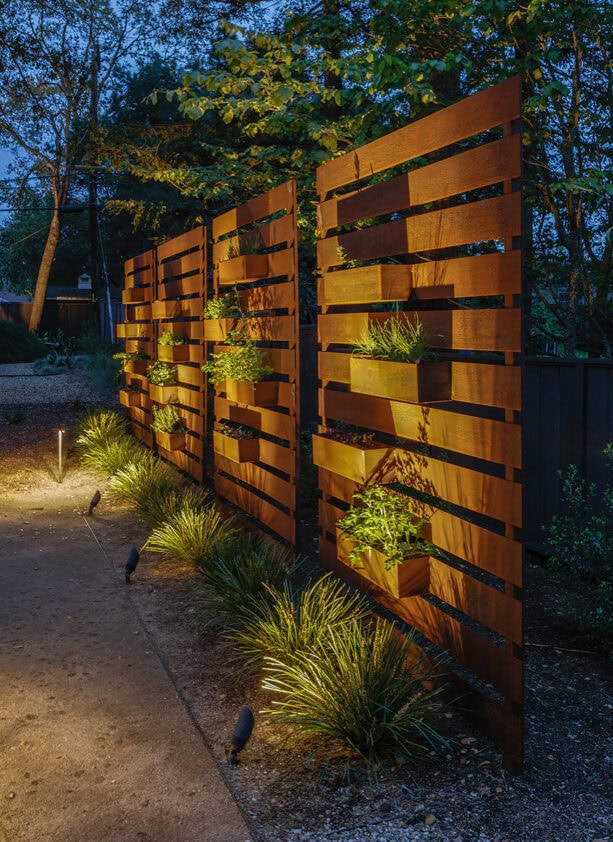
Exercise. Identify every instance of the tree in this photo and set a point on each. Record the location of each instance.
(56, 61)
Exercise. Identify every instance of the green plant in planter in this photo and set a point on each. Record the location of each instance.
(226, 306)
(130, 356)
(168, 337)
(162, 374)
(236, 431)
(386, 522)
(243, 362)
(395, 340)
(166, 419)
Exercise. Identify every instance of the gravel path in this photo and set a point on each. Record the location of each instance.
(19, 384)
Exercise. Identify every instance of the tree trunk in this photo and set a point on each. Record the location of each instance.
(44, 270)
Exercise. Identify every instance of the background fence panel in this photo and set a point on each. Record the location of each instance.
(255, 258)
(439, 240)
(568, 420)
(137, 331)
(178, 309)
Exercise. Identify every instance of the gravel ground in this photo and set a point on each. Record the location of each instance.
(19, 385)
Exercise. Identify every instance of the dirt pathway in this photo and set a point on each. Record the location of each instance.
(94, 742)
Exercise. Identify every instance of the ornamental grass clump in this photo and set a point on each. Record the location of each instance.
(99, 426)
(164, 505)
(241, 572)
(352, 695)
(104, 442)
(387, 522)
(279, 623)
(138, 481)
(394, 339)
(192, 536)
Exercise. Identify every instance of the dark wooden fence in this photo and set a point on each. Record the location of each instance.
(74, 318)
(568, 419)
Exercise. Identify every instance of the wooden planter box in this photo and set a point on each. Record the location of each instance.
(245, 267)
(358, 463)
(423, 382)
(135, 295)
(264, 393)
(141, 313)
(164, 394)
(132, 330)
(409, 578)
(136, 366)
(166, 309)
(216, 330)
(129, 398)
(237, 450)
(173, 353)
(170, 441)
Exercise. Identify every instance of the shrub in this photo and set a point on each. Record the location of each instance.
(353, 694)
(579, 543)
(18, 345)
(192, 536)
(103, 370)
(277, 623)
(242, 571)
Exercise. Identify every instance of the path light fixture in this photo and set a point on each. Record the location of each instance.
(60, 454)
(242, 732)
(94, 502)
(131, 563)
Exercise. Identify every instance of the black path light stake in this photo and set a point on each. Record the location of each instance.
(131, 563)
(94, 502)
(242, 732)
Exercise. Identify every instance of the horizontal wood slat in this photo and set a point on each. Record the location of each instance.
(461, 330)
(187, 264)
(482, 438)
(486, 109)
(480, 167)
(477, 383)
(478, 222)
(279, 198)
(196, 238)
(498, 273)
(268, 515)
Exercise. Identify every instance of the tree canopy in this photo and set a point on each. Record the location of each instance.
(234, 105)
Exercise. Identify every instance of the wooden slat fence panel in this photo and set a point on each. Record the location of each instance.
(439, 240)
(181, 295)
(137, 333)
(255, 256)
